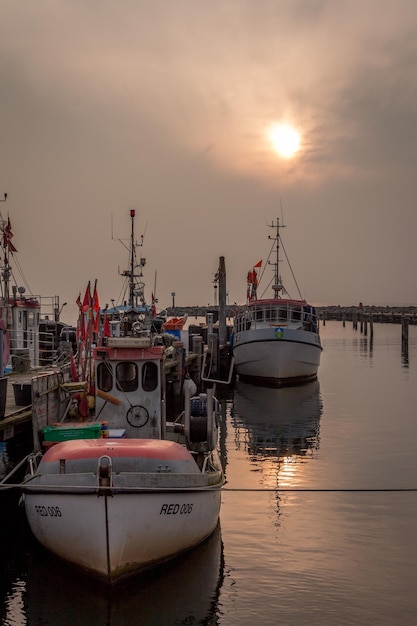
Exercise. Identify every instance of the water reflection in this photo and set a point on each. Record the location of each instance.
(278, 428)
(184, 591)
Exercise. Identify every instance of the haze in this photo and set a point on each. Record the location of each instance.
(164, 106)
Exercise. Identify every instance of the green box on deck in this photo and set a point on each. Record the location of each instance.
(64, 433)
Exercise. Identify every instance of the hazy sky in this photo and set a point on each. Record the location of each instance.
(164, 106)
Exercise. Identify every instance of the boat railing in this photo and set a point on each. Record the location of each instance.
(277, 314)
(38, 349)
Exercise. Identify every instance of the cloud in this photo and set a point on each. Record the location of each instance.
(164, 106)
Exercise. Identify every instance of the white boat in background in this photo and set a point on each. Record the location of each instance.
(275, 340)
(30, 324)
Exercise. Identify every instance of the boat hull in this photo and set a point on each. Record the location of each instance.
(141, 520)
(277, 356)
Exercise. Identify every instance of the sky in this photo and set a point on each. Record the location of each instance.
(166, 106)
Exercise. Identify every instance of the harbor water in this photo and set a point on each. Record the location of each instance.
(318, 517)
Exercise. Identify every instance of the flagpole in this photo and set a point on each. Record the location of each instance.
(6, 270)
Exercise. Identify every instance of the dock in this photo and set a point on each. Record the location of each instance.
(17, 418)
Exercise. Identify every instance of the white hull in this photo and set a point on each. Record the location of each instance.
(277, 355)
(143, 518)
(115, 536)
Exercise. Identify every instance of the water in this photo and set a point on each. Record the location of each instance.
(318, 517)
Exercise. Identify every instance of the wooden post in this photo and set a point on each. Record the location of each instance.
(222, 302)
(404, 338)
(371, 325)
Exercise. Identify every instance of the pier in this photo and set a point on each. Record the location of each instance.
(379, 314)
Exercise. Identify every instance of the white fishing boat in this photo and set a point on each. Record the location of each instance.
(114, 486)
(276, 340)
(146, 491)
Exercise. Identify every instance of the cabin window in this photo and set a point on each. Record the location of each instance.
(104, 377)
(149, 376)
(31, 319)
(127, 376)
(259, 316)
(282, 314)
(296, 315)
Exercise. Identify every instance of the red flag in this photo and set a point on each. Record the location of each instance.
(87, 298)
(74, 372)
(252, 278)
(78, 302)
(259, 263)
(96, 303)
(83, 331)
(7, 237)
(106, 329)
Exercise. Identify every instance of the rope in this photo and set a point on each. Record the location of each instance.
(324, 490)
(228, 489)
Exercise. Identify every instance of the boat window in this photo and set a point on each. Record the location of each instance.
(296, 314)
(259, 315)
(127, 376)
(104, 376)
(282, 314)
(273, 313)
(149, 376)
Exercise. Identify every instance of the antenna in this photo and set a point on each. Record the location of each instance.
(282, 214)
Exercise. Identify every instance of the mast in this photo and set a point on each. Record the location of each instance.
(135, 287)
(277, 286)
(132, 259)
(6, 245)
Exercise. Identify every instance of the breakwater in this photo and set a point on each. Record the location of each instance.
(385, 314)
(381, 314)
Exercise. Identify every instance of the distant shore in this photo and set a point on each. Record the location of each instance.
(387, 314)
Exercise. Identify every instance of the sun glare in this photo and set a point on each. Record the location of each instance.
(285, 140)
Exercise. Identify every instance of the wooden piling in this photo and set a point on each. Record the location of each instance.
(404, 337)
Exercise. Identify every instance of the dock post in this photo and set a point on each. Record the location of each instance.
(404, 339)
(222, 302)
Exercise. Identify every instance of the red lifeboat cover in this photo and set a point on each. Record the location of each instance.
(95, 448)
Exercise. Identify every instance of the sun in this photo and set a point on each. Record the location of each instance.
(285, 140)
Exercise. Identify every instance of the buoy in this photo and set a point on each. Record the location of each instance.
(189, 384)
